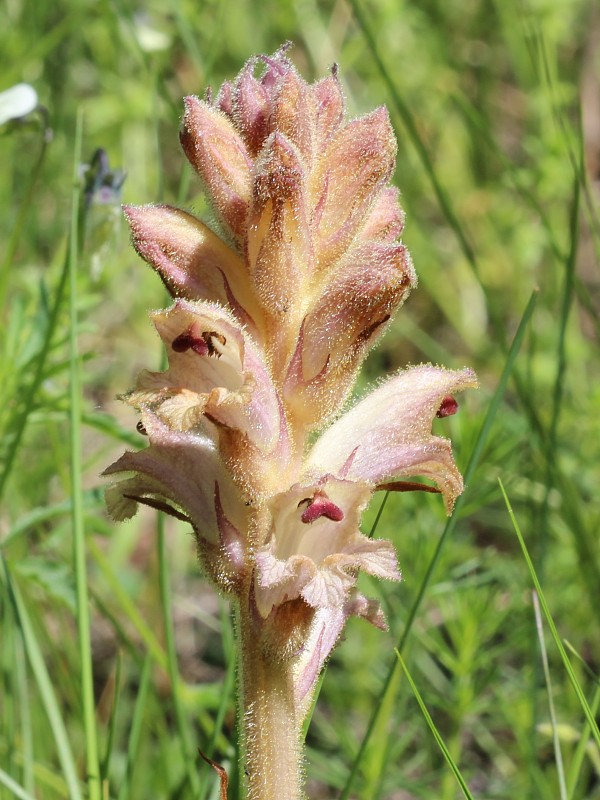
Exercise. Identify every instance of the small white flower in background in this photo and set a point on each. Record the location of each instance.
(17, 102)
(149, 37)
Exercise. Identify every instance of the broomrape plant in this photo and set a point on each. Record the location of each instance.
(270, 323)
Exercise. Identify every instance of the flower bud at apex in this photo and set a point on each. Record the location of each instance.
(278, 239)
(224, 101)
(251, 109)
(264, 340)
(292, 113)
(352, 171)
(217, 152)
(329, 107)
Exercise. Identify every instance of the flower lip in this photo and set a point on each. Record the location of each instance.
(319, 562)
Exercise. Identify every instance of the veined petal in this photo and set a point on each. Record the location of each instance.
(215, 369)
(388, 434)
(218, 153)
(180, 468)
(316, 556)
(192, 261)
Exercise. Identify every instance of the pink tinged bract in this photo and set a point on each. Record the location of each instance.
(326, 628)
(385, 221)
(192, 261)
(250, 109)
(388, 433)
(180, 468)
(292, 113)
(350, 173)
(218, 153)
(369, 285)
(278, 238)
(367, 288)
(329, 108)
(318, 558)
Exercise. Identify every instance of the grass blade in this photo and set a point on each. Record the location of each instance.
(172, 667)
(127, 606)
(44, 683)
(79, 549)
(555, 738)
(436, 734)
(105, 765)
(563, 653)
(14, 787)
(577, 759)
(136, 728)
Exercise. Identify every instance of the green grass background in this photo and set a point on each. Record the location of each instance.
(496, 106)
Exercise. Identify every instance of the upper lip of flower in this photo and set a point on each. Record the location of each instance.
(388, 433)
(215, 371)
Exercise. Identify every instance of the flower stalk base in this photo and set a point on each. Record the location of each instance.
(272, 760)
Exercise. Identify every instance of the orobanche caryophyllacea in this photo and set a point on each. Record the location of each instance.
(272, 316)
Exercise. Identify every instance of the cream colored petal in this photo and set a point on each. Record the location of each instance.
(229, 383)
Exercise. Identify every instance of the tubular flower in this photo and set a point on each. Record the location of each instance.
(271, 319)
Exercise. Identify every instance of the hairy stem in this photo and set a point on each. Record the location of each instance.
(272, 756)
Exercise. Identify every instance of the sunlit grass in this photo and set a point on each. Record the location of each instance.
(501, 207)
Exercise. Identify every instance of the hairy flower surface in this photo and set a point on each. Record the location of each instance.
(272, 317)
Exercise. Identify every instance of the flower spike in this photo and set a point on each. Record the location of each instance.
(267, 331)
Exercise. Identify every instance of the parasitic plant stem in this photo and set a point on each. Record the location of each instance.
(271, 747)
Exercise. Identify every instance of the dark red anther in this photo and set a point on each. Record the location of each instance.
(191, 339)
(448, 407)
(320, 506)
